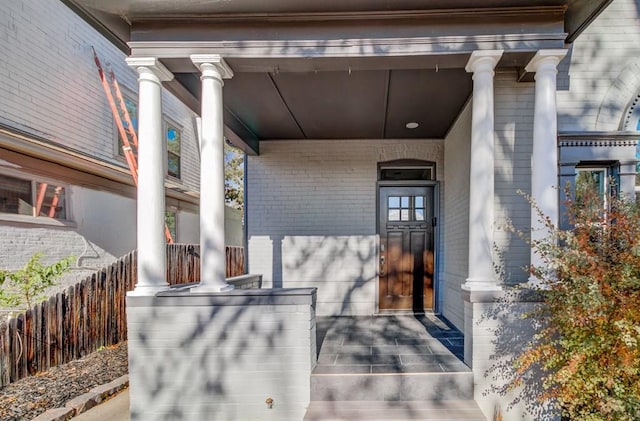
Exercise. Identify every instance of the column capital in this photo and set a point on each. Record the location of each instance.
(214, 62)
(153, 65)
(483, 60)
(548, 59)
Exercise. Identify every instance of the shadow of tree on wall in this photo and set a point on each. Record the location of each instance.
(511, 338)
(203, 343)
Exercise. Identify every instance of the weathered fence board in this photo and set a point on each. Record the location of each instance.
(90, 314)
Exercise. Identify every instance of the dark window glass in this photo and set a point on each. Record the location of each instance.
(15, 196)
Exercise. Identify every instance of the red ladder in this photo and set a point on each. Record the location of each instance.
(122, 118)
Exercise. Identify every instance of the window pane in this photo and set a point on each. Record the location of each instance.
(394, 202)
(590, 188)
(15, 196)
(419, 214)
(132, 109)
(406, 174)
(173, 140)
(170, 220)
(173, 165)
(173, 147)
(404, 202)
(590, 180)
(50, 201)
(419, 201)
(394, 215)
(404, 214)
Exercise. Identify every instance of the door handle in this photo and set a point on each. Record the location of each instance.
(381, 265)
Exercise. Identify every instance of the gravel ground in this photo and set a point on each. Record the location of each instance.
(29, 397)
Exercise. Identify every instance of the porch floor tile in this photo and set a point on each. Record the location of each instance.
(388, 344)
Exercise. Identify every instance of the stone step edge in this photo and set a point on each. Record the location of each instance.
(419, 373)
(458, 410)
(86, 401)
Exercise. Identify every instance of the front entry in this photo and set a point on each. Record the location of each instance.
(406, 248)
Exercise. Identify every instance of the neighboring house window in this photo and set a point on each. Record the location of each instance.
(22, 196)
(132, 109)
(174, 140)
(170, 220)
(173, 137)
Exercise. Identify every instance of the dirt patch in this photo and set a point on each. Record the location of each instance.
(29, 397)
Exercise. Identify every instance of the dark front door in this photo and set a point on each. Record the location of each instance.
(406, 248)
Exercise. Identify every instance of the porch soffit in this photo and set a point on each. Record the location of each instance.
(336, 69)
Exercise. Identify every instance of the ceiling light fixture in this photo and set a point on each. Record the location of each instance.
(412, 125)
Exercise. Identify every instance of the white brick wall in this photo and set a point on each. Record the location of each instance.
(455, 222)
(49, 84)
(202, 361)
(312, 215)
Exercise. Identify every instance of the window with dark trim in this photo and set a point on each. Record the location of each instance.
(596, 180)
(407, 170)
(30, 197)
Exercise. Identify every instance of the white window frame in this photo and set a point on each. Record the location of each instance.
(166, 122)
(34, 219)
(606, 193)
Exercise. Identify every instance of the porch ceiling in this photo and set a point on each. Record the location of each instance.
(324, 69)
(341, 104)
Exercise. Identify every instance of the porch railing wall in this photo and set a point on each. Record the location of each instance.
(88, 315)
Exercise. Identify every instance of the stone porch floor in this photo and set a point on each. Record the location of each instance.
(390, 368)
(388, 344)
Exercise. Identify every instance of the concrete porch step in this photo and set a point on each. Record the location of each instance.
(420, 386)
(448, 410)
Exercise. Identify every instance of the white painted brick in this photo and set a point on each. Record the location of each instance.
(219, 363)
(312, 215)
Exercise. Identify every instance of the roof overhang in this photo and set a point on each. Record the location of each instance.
(337, 69)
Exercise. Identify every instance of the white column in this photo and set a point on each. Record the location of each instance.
(544, 161)
(151, 174)
(481, 186)
(212, 242)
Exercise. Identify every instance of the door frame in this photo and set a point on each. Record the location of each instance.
(436, 235)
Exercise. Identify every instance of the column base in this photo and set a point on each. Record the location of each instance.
(144, 290)
(212, 288)
(480, 285)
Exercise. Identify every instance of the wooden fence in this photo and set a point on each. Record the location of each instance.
(88, 315)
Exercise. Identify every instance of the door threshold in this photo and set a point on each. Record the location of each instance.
(396, 312)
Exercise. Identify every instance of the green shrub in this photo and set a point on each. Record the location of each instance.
(25, 287)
